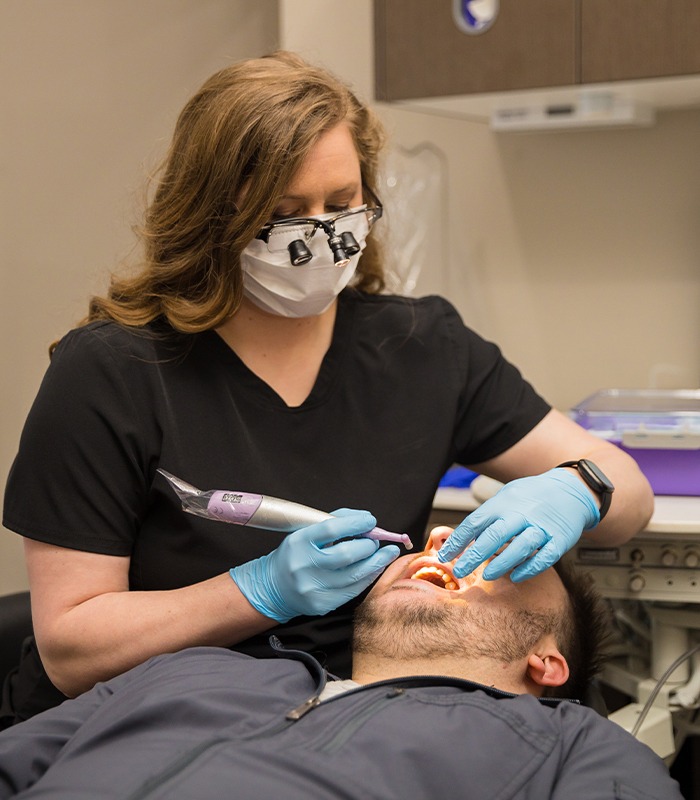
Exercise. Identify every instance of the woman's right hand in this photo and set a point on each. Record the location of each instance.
(90, 626)
(302, 577)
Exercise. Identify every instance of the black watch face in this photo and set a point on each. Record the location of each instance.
(598, 476)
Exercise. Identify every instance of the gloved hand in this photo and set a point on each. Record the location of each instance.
(301, 577)
(541, 516)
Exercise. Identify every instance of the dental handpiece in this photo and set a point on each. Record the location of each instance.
(260, 510)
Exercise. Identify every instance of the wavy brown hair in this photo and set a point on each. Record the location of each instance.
(247, 130)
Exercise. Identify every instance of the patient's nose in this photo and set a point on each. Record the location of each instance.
(438, 536)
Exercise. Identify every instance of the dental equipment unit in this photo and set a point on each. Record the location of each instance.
(259, 510)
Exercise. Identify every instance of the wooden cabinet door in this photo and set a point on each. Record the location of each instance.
(631, 39)
(420, 51)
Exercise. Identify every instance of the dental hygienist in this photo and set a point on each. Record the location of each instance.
(252, 349)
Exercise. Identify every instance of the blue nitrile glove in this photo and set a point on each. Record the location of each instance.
(544, 516)
(303, 578)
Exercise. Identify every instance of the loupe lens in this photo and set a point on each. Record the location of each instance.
(299, 253)
(350, 244)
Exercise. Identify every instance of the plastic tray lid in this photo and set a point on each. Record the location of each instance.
(651, 418)
(642, 401)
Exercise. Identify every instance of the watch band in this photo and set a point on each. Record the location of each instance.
(596, 479)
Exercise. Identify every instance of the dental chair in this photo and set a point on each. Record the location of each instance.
(15, 630)
(595, 699)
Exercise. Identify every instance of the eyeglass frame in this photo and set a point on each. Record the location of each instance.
(328, 225)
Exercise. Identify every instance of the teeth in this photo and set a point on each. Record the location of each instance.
(435, 575)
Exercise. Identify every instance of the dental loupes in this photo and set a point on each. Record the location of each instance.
(259, 510)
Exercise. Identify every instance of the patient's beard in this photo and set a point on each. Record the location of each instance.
(414, 629)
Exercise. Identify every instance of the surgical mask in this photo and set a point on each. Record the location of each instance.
(275, 285)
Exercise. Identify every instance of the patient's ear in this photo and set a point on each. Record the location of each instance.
(546, 666)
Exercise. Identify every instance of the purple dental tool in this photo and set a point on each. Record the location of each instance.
(260, 510)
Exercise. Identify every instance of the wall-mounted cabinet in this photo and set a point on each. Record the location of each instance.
(421, 53)
(638, 39)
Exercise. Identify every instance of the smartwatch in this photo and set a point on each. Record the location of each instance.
(596, 479)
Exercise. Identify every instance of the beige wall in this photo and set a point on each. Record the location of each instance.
(90, 92)
(578, 252)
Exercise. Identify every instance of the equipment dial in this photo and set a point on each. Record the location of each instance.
(636, 582)
(692, 559)
(669, 557)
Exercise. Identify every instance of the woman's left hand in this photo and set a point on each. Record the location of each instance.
(538, 519)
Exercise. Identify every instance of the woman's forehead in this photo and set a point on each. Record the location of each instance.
(333, 157)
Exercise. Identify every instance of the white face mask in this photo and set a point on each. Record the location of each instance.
(273, 284)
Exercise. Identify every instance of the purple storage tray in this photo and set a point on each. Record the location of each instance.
(670, 416)
(675, 472)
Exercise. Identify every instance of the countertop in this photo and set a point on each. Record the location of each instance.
(672, 514)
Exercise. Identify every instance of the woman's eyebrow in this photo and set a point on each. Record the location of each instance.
(350, 188)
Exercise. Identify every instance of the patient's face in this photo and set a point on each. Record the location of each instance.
(419, 604)
(422, 572)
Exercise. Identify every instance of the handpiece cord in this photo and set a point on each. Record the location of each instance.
(662, 680)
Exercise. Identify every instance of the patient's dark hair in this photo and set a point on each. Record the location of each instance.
(584, 632)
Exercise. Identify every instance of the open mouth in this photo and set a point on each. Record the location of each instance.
(439, 576)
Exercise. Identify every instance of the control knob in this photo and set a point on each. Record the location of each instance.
(691, 559)
(669, 557)
(636, 582)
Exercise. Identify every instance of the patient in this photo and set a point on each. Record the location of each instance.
(451, 696)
